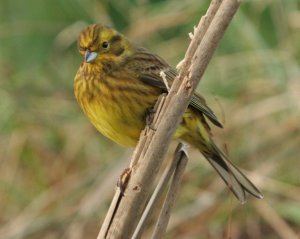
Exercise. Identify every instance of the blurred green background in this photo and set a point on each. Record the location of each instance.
(58, 175)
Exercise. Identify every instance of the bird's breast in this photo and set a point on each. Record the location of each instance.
(115, 106)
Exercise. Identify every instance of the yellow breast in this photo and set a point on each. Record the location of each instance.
(110, 119)
(116, 107)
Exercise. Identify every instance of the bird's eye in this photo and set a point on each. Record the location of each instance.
(105, 44)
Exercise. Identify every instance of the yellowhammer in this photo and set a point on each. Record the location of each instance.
(116, 85)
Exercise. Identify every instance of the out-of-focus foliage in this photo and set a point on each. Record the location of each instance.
(58, 174)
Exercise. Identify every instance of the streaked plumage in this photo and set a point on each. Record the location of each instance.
(117, 83)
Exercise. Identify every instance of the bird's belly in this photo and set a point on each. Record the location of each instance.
(122, 123)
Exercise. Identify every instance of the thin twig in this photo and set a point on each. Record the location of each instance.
(110, 214)
(158, 191)
(165, 213)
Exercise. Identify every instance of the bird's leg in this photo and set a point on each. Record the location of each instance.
(123, 180)
(150, 116)
(150, 113)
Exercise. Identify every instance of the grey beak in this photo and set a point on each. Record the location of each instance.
(90, 56)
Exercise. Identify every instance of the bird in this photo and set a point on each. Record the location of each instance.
(118, 82)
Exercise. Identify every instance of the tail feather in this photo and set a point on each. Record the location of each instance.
(237, 182)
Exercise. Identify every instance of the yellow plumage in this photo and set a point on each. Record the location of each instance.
(118, 83)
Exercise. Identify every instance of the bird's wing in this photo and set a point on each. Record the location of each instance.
(199, 103)
(150, 74)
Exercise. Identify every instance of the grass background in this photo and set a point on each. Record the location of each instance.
(57, 174)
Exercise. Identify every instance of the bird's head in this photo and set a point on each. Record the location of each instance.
(99, 44)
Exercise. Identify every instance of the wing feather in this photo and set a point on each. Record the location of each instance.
(151, 76)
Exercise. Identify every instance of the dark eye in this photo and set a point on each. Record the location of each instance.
(105, 44)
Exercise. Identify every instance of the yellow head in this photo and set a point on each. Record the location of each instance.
(102, 45)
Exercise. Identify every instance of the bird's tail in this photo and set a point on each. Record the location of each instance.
(232, 176)
(195, 131)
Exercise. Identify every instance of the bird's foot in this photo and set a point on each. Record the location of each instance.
(123, 180)
(150, 116)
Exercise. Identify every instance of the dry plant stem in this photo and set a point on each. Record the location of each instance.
(165, 213)
(110, 214)
(198, 34)
(156, 143)
(158, 191)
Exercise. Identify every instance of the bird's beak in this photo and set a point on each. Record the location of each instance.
(90, 56)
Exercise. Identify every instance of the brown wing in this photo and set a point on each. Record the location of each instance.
(151, 65)
(199, 103)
